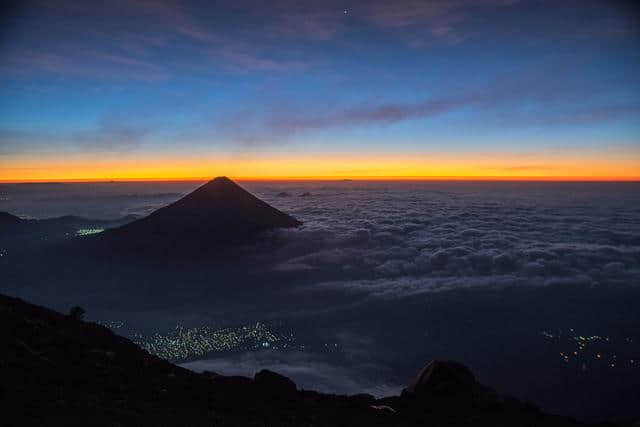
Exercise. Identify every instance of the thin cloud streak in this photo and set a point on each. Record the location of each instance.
(530, 88)
(108, 135)
(153, 26)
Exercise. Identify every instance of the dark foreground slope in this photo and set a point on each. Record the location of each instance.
(57, 370)
(6, 220)
(216, 214)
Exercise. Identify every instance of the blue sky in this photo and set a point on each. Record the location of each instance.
(207, 79)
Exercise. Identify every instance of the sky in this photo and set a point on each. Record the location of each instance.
(161, 89)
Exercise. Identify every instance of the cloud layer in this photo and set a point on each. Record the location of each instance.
(428, 237)
(309, 371)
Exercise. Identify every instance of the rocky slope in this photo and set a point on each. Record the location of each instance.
(6, 219)
(60, 370)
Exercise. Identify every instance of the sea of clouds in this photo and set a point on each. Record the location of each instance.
(397, 239)
(394, 240)
(391, 245)
(363, 271)
(309, 371)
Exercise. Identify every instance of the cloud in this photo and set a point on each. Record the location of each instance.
(147, 30)
(525, 168)
(109, 134)
(90, 64)
(507, 99)
(112, 135)
(442, 21)
(406, 286)
(308, 371)
(598, 114)
(390, 113)
(243, 37)
(245, 61)
(530, 235)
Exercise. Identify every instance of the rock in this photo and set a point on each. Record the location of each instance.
(442, 377)
(210, 374)
(363, 398)
(274, 383)
(7, 219)
(50, 376)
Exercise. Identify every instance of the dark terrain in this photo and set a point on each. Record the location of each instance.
(210, 259)
(60, 370)
(218, 214)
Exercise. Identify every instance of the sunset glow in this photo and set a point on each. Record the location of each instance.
(393, 166)
(417, 91)
(273, 212)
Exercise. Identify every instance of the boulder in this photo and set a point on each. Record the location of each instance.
(442, 377)
(274, 383)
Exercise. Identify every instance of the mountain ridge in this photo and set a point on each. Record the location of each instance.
(60, 370)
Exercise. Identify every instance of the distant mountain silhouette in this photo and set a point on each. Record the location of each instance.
(216, 214)
(60, 370)
(13, 226)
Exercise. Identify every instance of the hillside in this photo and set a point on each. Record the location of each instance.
(60, 370)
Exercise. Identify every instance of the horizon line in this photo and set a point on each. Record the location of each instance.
(330, 178)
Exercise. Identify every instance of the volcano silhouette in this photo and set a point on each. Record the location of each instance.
(216, 213)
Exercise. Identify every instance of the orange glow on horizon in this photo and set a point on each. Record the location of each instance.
(561, 166)
(332, 178)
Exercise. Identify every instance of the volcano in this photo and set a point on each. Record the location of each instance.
(217, 213)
